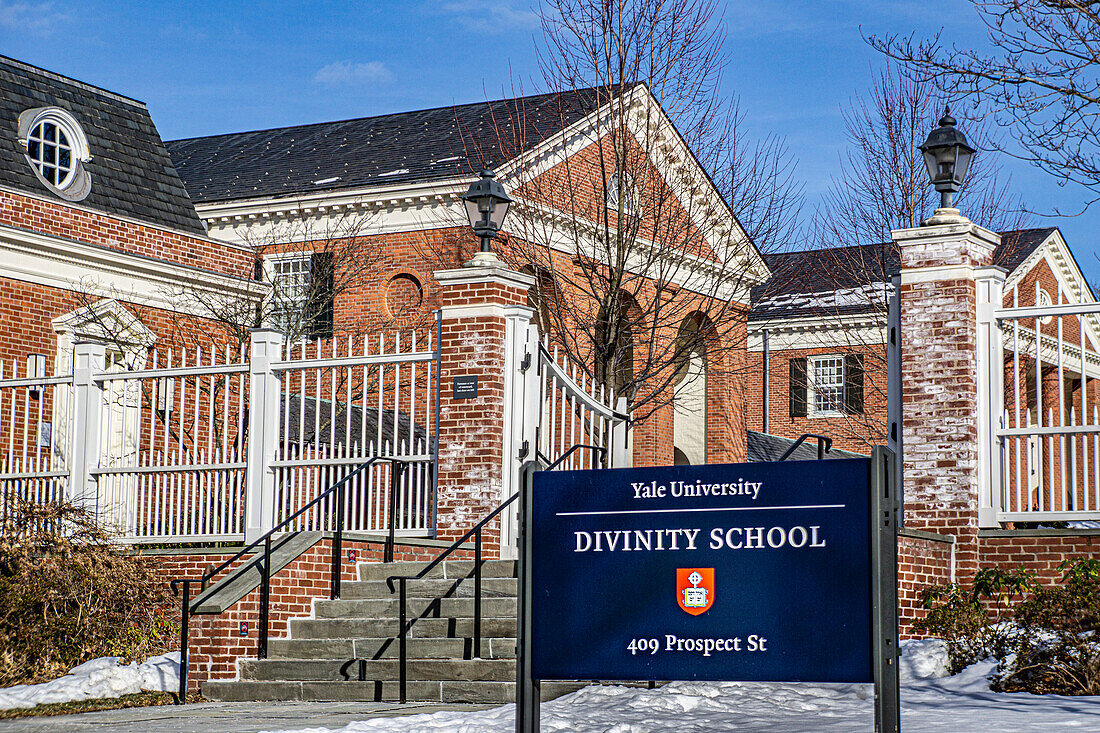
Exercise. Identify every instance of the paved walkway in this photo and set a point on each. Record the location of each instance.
(223, 717)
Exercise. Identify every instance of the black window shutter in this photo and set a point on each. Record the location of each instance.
(853, 384)
(322, 293)
(798, 387)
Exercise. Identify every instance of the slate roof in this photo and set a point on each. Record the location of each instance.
(423, 146)
(846, 280)
(764, 448)
(132, 174)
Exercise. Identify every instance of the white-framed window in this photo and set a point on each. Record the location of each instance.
(826, 385)
(303, 292)
(56, 148)
(290, 287)
(620, 186)
(1044, 301)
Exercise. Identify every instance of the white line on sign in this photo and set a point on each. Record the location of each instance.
(704, 509)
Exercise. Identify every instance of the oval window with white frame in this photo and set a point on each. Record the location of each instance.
(620, 186)
(57, 150)
(1044, 301)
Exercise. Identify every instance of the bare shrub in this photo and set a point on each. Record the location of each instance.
(68, 594)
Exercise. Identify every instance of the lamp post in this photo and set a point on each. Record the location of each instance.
(486, 204)
(947, 157)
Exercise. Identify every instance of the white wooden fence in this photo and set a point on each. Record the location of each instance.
(211, 445)
(1039, 417)
(575, 412)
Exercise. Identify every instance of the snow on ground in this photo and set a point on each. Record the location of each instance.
(931, 703)
(103, 677)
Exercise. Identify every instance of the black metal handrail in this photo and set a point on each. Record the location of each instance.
(265, 583)
(475, 532)
(824, 445)
(561, 459)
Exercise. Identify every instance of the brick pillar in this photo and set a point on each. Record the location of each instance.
(942, 263)
(484, 320)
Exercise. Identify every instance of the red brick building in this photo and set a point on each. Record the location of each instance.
(350, 239)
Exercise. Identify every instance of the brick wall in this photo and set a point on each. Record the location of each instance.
(1040, 551)
(857, 432)
(28, 310)
(70, 222)
(921, 563)
(215, 641)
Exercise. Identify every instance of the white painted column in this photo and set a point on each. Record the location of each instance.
(989, 287)
(89, 359)
(621, 454)
(520, 368)
(263, 432)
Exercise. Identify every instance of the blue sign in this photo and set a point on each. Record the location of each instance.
(754, 571)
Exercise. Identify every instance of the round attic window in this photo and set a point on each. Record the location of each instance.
(404, 295)
(56, 148)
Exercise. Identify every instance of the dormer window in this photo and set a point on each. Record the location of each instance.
(56, 148)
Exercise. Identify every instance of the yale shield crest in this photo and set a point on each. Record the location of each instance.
(695, 589)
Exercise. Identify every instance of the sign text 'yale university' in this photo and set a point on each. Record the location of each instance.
(725, 572)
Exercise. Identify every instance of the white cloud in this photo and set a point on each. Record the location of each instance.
(346, 72)
(492, 16)
(37, 18)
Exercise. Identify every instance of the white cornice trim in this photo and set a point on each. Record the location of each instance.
(70, 265)
(484, 275)
(814, 323)
(366, 198)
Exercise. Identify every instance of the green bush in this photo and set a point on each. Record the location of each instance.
(1047, 638)
(969, 619)
(1059, 647)
(68, 594)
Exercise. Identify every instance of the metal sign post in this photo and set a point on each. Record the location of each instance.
(884, 590)
(527, 687)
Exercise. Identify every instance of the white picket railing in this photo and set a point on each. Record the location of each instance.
(1045, 422)
(172, 446)
(33, 464)
(207, 445)
(575, 412)
(343, 402)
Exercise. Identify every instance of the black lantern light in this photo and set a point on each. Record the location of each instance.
(486, 205)
(947, 156)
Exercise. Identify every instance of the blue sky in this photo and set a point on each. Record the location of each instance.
(211, 67)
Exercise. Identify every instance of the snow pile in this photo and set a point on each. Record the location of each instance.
(923, 659)
(931, 702)
(99, 678)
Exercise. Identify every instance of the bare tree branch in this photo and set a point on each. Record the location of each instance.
(641, 258)
(1042, 81)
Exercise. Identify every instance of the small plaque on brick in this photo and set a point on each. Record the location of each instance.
(465, 387)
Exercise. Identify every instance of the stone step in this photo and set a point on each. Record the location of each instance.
(417, 691)
(414, 608)
(386, 648)
(447, 569)
(424, 628)
(487, 670)
(431, 588)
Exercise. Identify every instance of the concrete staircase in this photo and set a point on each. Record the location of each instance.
(348, 649)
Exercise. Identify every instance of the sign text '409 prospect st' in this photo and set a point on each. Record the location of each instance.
(723, 572)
